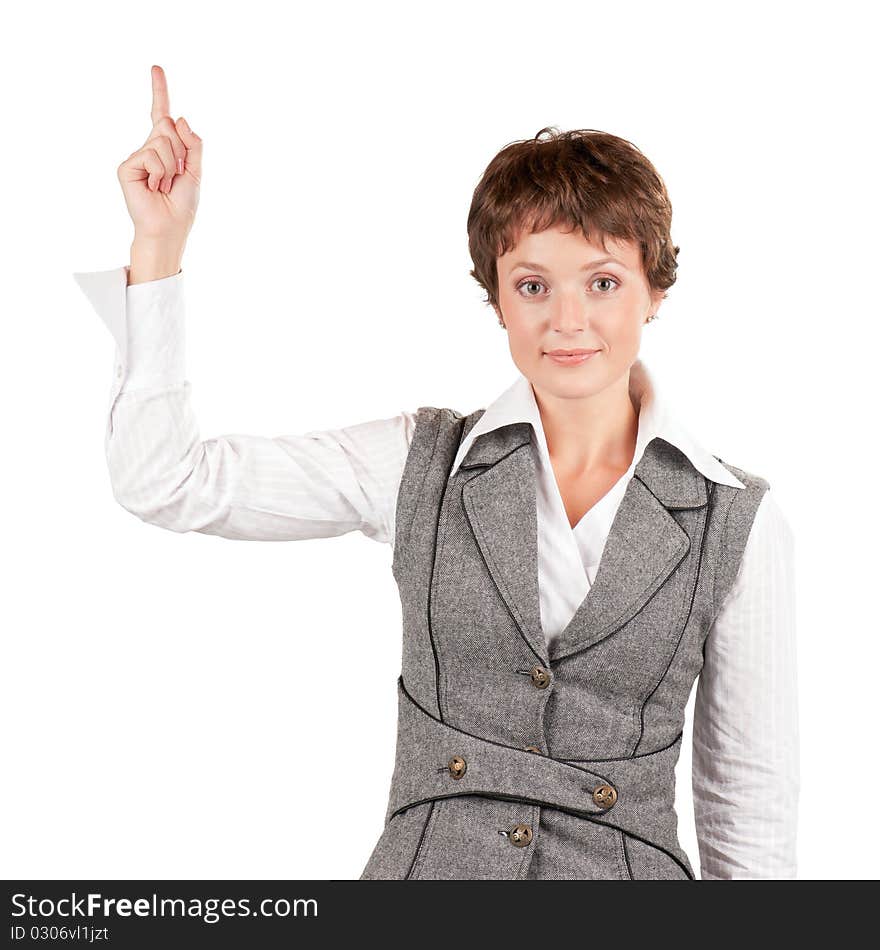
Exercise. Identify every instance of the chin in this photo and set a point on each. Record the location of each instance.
(568, 388)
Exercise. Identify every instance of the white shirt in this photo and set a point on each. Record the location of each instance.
(745, 758)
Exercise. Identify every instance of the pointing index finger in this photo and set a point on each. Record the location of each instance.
(161, 105)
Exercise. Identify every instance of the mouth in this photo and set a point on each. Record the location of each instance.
(570, 357)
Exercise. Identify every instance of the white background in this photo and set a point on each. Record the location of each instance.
(184, 706)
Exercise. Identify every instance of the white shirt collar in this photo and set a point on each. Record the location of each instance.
(517, 404)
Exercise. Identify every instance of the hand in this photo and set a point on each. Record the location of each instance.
(160, 181)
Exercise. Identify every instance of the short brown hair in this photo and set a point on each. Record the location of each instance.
(582, 178)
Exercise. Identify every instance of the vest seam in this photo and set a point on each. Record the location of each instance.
(500, 797)
(629, 869)
(502, 745)
(722, 537)
(696, 583)
(635, 755)
(531, 853)
(621, 843)
(651, 844)
(429, 830)
(421, 842)
(496, 796)
(436, 567)
(417, 495)
(440, 532)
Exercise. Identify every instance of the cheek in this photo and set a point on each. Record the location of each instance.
(524, 336)
(626, 329)
(622, 326)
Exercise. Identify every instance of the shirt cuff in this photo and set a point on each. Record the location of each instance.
(155, 333)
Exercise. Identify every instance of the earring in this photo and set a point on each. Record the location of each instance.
(652, 317)
(503, 324)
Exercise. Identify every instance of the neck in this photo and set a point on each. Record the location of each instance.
(591, 433)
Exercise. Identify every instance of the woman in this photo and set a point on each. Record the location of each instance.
(569, 559)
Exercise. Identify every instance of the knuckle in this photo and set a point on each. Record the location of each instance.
(169, 131)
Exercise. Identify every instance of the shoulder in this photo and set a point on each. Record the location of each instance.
(433, 425)
(756, 543)
(767, 516)
(749, 528)
(771, 528)
(751, 480)
(737, 504)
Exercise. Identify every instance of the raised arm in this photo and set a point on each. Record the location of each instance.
(745, 763)
(287, 487)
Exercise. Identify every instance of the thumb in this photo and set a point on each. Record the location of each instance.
(193, 145)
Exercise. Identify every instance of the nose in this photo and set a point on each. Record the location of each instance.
(571, 314)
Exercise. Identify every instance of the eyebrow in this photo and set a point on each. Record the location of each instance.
(531, 265)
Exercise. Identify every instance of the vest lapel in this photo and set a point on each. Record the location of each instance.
(500, 505)
(644, 545)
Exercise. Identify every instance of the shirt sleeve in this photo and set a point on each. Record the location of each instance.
(745, 763)
(315, 484)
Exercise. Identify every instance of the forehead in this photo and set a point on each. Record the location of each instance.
(563, 246)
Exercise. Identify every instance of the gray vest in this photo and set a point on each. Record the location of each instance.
(515, 761)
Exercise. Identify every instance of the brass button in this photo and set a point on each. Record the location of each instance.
(521, 835)
(540, 677)
(533, 748)
(457, 766)
(604, 795)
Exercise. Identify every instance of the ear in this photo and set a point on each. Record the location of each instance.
(657, 297)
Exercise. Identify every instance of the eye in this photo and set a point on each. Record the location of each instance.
(529, 281)
(613, 281)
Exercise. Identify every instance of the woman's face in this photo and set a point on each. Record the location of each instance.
(558, 291)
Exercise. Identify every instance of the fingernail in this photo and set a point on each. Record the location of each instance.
(185, 125)
(179, 166)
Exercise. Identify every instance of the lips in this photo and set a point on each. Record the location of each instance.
(571, 357)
